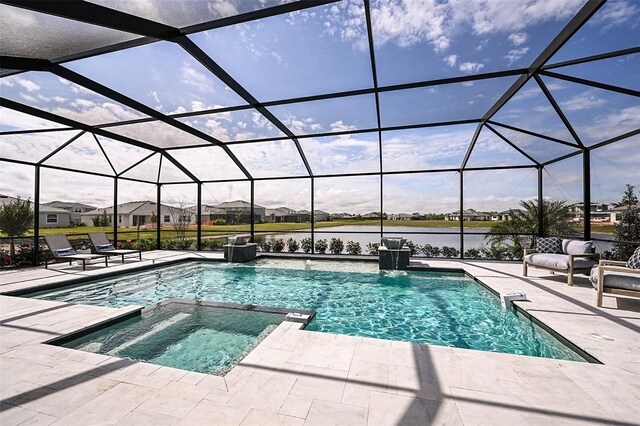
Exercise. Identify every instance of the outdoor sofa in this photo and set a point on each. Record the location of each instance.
(617, 277)
(102, 245)
(561, 255)
(61, 249)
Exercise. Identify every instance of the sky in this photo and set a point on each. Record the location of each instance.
(324, 50)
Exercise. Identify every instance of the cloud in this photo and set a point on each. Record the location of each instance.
(340, 126)
(451, 60)
(191, 77)
(614, 14)
(27, 84)
(516, 54)
(517, 38)
(582, 101)
(470, 67)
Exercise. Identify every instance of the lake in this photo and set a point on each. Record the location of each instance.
(439, 237)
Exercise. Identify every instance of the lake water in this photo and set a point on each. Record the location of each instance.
(440, 237)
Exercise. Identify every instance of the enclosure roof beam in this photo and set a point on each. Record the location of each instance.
(592, 83)
(569, 30)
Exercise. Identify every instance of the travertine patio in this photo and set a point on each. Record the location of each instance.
(295, 376)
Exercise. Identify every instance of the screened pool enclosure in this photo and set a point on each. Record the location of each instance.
(369, 110)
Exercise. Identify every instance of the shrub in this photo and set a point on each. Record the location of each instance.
(372, 248)
(219, 222)
(411, 246)
(306, 245)
(473, 253)
(212, 243)
(430, 251)
(175, 244)
(450, 251)
(336, 245)
(278, 245)
(292, 245)
(321, 246)
(265, 246)
(353, 247)
(143, 244)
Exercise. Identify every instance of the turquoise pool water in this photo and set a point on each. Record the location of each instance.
(446, 309)
(190, 337)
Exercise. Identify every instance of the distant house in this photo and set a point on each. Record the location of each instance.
(321, 216)
(372, 215)
(400, 216)
(501, 216)
(615, 213)
(241, 210)
(342, 216)
(468, 215)
(599, 212)
(49, 217)
(76, 209)
(137, 213)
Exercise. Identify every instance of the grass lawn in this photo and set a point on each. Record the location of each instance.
(211, 230)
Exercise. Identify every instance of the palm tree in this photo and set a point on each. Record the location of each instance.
(523, 224)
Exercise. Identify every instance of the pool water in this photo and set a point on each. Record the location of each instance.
(448, 309)
(186, 336)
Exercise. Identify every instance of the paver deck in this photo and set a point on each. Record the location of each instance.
(303, 377)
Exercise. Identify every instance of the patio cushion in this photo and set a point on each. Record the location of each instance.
(619, 280)
(549, 245)
(64, 252)
(634, 260)
(105, 247)
(558, 261)
(576, 246)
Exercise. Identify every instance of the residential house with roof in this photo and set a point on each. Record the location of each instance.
(76, 209)
(239, 211)
(501, 216)
(599, 212)
(468, 215)
(400, 216)
(615, 213)
(137, 213)
(48, 217)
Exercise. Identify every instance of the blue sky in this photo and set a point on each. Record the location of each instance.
(323, 50)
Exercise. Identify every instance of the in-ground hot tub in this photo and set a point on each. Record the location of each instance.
(202, 337)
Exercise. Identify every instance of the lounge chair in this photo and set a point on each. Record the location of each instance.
(61, 248)
(617, 278)
(102, 245)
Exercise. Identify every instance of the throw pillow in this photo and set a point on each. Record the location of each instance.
(549, 245)
(577, 247)
(64, 252)
(634, 260)
(105, 247)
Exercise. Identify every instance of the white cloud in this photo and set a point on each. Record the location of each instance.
(613, 14)
(189, 76)
(154, 95)
(470, 67)
(582, 101)
(340, 126)
(516, 54)
(518, 38)
(27, 84)
(451, 60)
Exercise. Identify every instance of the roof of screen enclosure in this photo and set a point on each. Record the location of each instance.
(68, 31)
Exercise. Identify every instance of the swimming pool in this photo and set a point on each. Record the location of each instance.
(448, 309)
